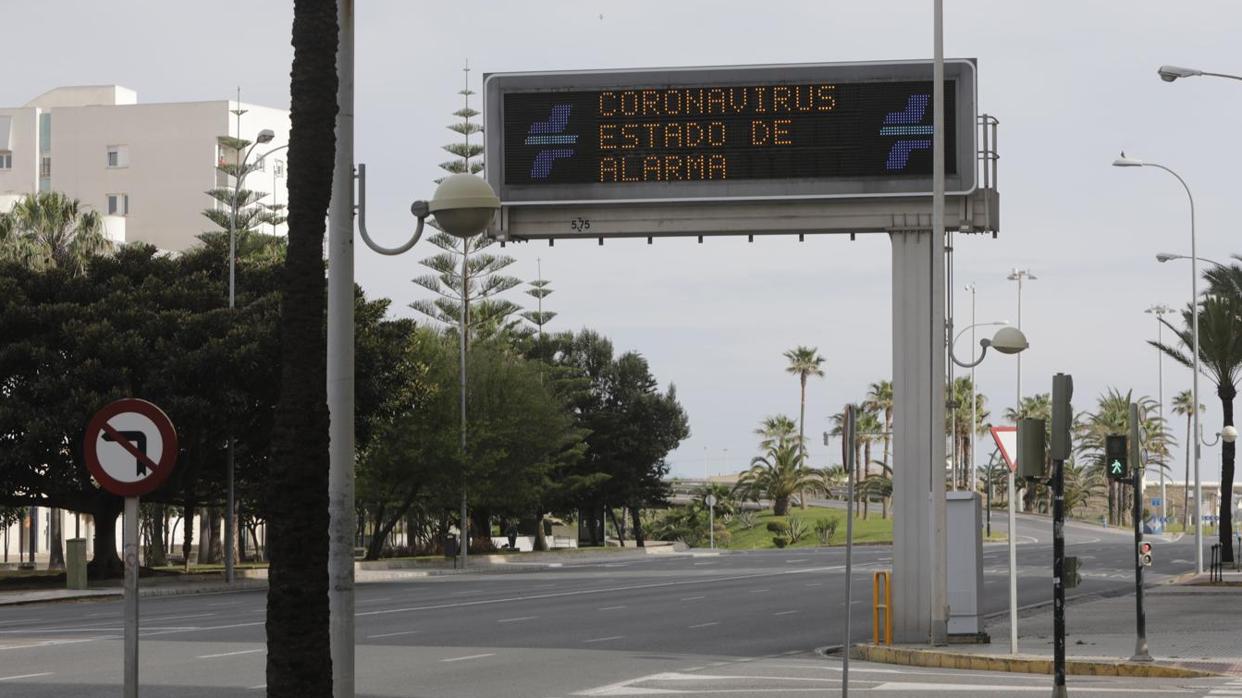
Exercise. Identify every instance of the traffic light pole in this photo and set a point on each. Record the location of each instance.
(1140, 646)
(1062, 390)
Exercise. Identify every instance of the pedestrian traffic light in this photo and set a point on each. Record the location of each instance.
(1144, 553)
(1115, 458)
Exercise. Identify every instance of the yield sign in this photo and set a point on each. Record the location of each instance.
(1007, 441)
(130, 447)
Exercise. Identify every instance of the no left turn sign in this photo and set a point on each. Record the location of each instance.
(130, 447)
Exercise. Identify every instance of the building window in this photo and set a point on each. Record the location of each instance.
(260, 165)
(278, 168)
(118, 156)
(45, 166)
(118, 204)
(6, 159)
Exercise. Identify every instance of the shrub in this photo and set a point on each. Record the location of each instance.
(780, 541)
(746, 519)
(776, 527)
(825, 529)
(797, 530)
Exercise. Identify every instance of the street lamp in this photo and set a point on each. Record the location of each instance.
(973, 400)
(1007, 340)
(1169, 73)
(239, 180)
(1125, 161)
(1160, 311)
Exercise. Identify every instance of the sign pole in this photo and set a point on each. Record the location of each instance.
(1062, 391)
(847, 446)
(129, 540)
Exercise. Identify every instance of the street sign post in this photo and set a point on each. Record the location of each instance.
(130, 448)
(710, 500)
(1007, 443)
(1136, 457)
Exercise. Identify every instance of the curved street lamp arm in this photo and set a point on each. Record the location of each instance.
(985, 343)
(1224, 75)
(419, 209)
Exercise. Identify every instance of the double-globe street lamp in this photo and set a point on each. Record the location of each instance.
(239, 180)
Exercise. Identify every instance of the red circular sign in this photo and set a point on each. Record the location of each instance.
(130, 447)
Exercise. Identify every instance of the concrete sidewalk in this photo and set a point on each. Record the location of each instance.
(1193, 629)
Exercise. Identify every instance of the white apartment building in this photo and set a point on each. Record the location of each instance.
(146, 167)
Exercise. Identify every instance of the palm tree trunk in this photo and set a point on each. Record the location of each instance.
(1228, 452)
(299, 657)
(801, 440)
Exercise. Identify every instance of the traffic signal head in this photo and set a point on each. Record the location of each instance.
(1144, 553)
(1031, 448)
(1116, 458)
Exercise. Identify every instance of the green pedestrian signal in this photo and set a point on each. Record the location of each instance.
(1115, 458)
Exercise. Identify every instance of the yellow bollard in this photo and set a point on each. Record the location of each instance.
(882, 601)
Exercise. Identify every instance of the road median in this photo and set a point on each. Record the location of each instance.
(1027, 664)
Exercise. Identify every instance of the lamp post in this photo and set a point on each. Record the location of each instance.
(1008, 340)
(1124, 161)
(239, 180)
(464, 205)
(1160, 311)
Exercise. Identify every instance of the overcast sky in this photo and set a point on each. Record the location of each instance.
(1072, 83)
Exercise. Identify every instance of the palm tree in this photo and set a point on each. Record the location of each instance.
(1183, 404)
(880, 399)
(961, 394)
(778, 475)
(52, 230)
(804, 362)
(1037, 406)
(1220, 357)
(774, 429)
(1082, 484)
(299, 657)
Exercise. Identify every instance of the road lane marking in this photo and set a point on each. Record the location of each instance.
(816, 584)
(801, 559)
(759, 591)
(516, 620)
(582, 592)
(612, 608)
(785, 613)
(693, 598)
(230, 654)
(25, 676)
(195, 615)
(994, 688)
(604, 639)
(471, 656)
(704, 625)
(403, 632)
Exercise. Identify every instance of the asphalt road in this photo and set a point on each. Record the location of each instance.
(741, 624)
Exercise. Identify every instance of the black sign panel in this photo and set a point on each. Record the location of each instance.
(635, 135)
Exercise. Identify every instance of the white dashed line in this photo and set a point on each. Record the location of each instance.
(604, 639)
(24, 676)
(516, 620)
(230, 654)
(403, 632)
(704, 625)
(471, 656)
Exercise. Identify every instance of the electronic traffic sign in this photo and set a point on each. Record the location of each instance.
(727, 133)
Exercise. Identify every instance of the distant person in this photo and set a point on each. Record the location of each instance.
(512, 532)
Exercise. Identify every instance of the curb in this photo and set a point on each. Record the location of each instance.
(908, 656)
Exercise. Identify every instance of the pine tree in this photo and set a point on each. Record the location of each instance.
(483, 280)
(234, 161)
(539, 290)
